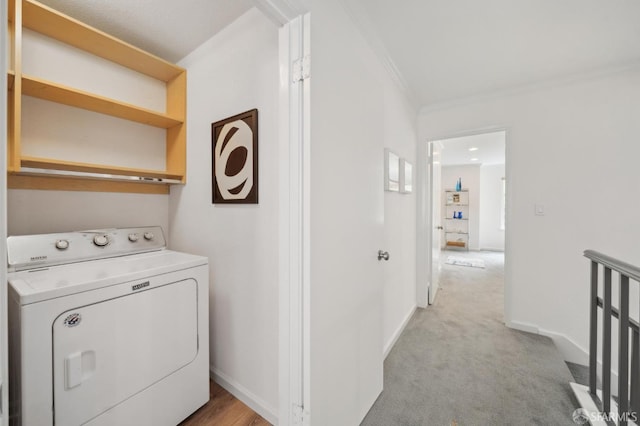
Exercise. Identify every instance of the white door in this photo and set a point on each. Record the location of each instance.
(346, 222)
(435, 170)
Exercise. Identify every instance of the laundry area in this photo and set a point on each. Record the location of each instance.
(131, 166)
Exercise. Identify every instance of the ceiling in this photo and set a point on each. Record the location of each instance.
(440, 50)
(447, 50)
(169, 29)
(485, 149)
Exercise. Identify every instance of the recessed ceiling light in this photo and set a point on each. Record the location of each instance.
(474, 159)
(473, 148)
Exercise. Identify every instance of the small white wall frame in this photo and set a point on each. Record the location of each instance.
(391, 171)
(406, 176)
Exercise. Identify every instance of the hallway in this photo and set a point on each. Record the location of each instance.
(457, 363)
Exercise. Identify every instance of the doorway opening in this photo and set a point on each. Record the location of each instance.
(465, 208)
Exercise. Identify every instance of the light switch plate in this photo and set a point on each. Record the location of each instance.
(539, 209)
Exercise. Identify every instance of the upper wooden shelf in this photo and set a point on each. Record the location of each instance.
(43, 89)
(52, 23)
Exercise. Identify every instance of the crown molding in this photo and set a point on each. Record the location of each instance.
(359, 16)
(550, 83)
(282, 11)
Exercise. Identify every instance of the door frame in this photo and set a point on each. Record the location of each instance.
(4, 368)
(294, 218)
(294, 374)
(433, 198)
(425, 229)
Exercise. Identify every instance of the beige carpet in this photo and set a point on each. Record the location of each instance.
(456, 362)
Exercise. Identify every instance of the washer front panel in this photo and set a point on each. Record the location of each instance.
(106, 352)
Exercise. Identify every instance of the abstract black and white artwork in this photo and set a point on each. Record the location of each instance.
(234, 147)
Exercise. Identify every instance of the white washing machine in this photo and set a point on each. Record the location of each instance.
(106, 327)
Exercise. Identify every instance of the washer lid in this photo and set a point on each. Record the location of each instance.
(55, 281)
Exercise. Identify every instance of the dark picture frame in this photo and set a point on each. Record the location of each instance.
(234, 159)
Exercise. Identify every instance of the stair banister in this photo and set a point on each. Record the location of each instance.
(628, 405)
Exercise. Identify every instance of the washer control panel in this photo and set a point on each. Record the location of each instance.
(101, 240)
(36, 251)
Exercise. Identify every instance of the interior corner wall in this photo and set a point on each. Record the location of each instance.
(470, 175)
(235, 71)
(399, 292)
(573, 149)
(491, 236)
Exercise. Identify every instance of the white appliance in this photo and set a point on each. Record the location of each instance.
(106, 327)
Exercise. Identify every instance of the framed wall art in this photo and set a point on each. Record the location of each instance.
(391, 171)
(234, 148)
(406, 176)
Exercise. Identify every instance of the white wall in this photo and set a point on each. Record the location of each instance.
(574, 149)
(233, 72)
(39, 212)
(400, 135)
(470, 176)
(491, 236)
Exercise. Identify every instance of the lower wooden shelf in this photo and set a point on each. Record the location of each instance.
(72, 166)
(60, 183)
(52, 174)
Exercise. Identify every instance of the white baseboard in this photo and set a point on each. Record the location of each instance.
(496, 249)
(529, 328)
(398, 332)
(252, 401)
(570, 350)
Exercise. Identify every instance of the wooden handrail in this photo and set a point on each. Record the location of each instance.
(624, 268)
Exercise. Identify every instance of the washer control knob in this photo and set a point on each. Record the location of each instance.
(101, 240)
(62, 244)
(133, 237)
(148, 236)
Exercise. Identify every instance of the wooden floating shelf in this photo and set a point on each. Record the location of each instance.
(59, 183)
(52, 164)
(54, 92)
(56, 174)
(456, 243)
(11, 76)
(52, 23)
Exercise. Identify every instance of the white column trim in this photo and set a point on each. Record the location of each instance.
(294, 247)
(4, 368)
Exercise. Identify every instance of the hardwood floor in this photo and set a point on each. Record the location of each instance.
(223, 409)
